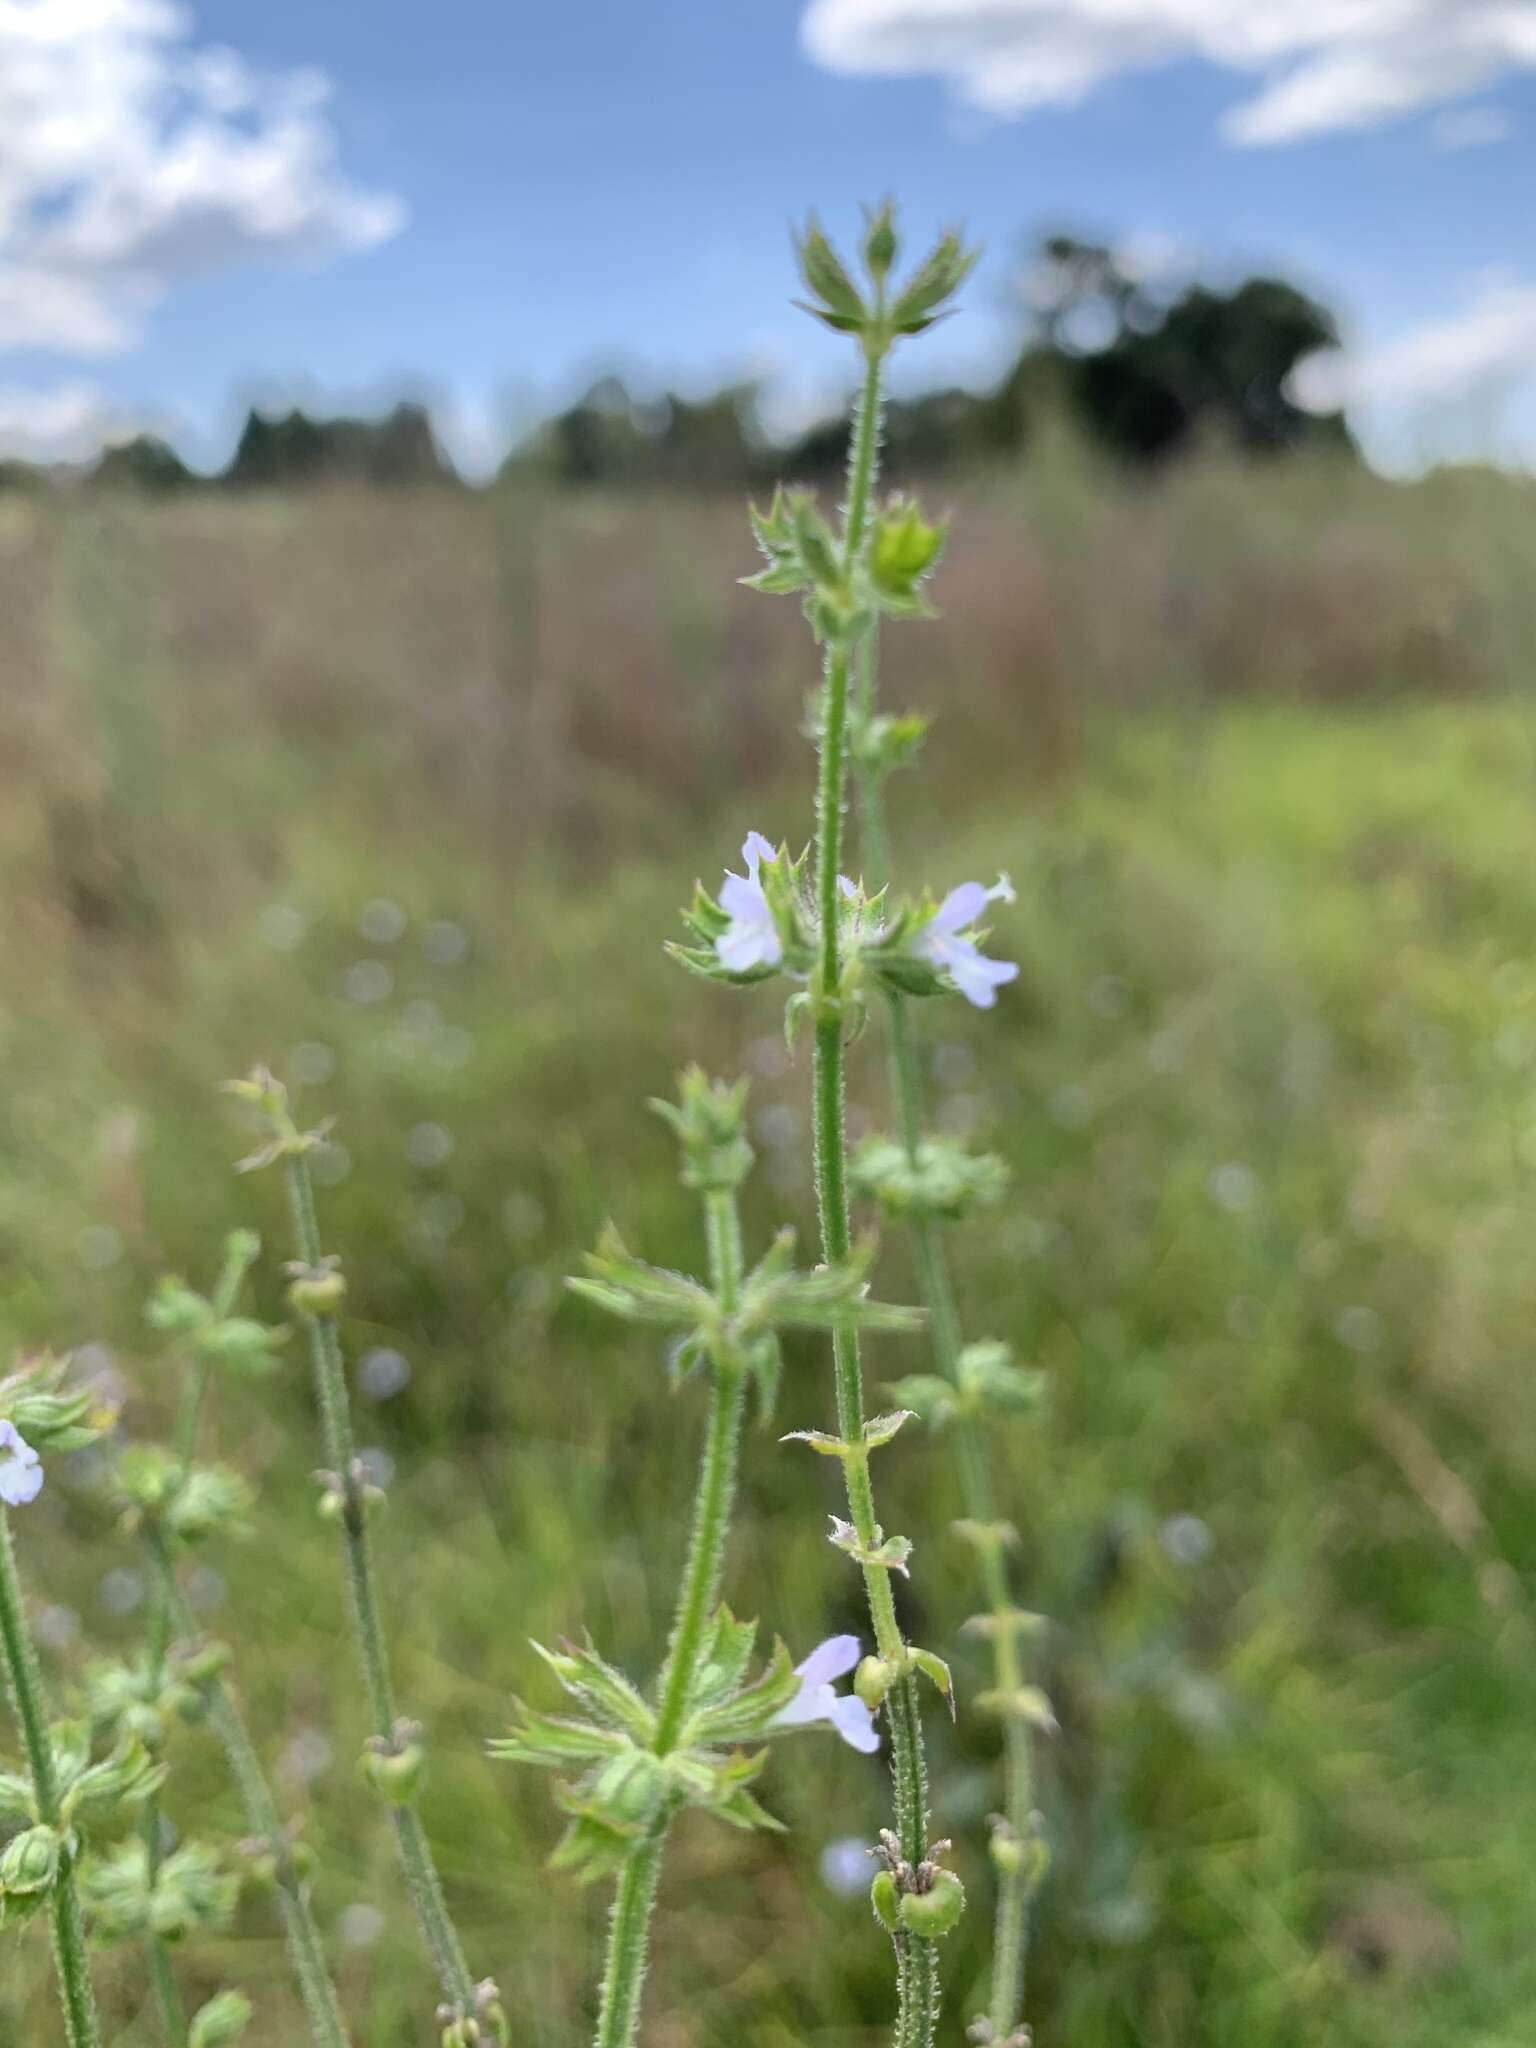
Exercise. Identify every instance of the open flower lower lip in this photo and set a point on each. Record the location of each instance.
(817, 1705)
(21, 1469)
(752, 938)
(942, 941)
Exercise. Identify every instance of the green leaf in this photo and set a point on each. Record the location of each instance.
(604, 1692)
(937, 1672)
(554, 1741)
(750, 1712)
(936, 279)
(765, 1362)
(727, 1653)
(825, 276)
(827, 1446)
(742, 1810)
(629, 1288)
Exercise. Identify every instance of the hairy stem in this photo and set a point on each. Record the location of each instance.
(194, 1388)
(629, 1935)
(1014, 1886)
(306, 1952)
(25, 1683)
(422, 1881)
(629, 1928)
(917, 1965)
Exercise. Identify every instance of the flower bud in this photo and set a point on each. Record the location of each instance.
(885, 1900)
(934, 1912)
(880, 242)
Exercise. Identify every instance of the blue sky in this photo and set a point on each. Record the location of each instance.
(201, 204)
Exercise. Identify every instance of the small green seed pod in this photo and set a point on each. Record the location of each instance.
(885, 1900)
(395, 1774)
(318, 1293)
(935, 1911)
(873, 1680)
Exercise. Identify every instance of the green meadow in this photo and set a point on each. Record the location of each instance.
(402, 795)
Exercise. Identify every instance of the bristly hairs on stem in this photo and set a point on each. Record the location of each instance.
(207, 1336)
(394, 1759)
(927, 1185)
(50, 1839)
(875, 564)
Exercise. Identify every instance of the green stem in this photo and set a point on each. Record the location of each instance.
(629, 1932)
(25, 1683)
(629, 1928)
(916, 1963)
(306, 1951)
(422, 1880)
(1014, 1887)
(194, 1389)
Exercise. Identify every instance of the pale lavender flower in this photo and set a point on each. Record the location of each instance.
(752, 938)
(977, 978)
(816, 1703)
(21, 1470)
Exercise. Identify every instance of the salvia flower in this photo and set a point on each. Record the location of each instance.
(816, 1703)
(752, 938)
(21, 1470)
(942, 941)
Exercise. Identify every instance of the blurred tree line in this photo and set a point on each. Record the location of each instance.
(1142, 373)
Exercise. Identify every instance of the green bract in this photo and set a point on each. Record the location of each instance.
(938, 1178)
(709, 1121)
(620, 1786)
(741, 1336)
(188, 1503)
(191, 1889)
(987, 1383)
(51, 1416)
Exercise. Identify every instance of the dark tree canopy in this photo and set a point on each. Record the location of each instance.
(146, 463)
(292, 448)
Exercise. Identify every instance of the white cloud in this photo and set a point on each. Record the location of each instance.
(131, 158)
(1320, 65)
(66, 423)
(1462, 385)
(1492, 341)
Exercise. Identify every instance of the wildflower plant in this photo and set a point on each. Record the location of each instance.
(83, 1832)
(173, 1505)
(394, 1759)
(924, 1182)
(848, 944)
(60, 1793)
(634, 1757)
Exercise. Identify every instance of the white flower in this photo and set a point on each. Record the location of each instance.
(977, 978)
(816, 1703)
(752, 938)
(21, 1470)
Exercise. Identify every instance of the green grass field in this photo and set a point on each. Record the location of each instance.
(405, 800)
